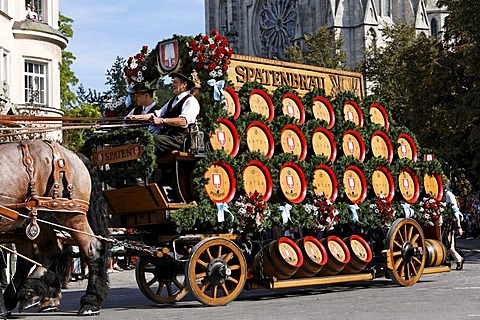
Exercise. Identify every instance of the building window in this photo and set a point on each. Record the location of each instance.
(4, 73)
(387, 12)
(4, 6)
(37, 8)
(35, 83)
(434, 28)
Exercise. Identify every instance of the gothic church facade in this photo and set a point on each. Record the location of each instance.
(265, 28)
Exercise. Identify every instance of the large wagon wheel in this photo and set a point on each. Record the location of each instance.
(159, 281)
(405, 246)
(216, 271)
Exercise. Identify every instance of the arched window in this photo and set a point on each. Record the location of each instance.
(372, 37)
(434, 27)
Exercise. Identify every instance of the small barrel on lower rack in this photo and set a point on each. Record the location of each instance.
(360, 254)
(436, 253)
(338, 256)
(314, 257)
(280, 258)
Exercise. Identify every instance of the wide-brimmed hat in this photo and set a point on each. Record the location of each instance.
(192, 83)
(138, 87)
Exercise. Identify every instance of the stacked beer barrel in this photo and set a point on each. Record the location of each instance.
(346, 134)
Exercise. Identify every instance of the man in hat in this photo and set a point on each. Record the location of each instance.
(169, 124)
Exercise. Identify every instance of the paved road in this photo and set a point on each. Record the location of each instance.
(452, 295)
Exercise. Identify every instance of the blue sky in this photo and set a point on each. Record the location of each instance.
(106, 29)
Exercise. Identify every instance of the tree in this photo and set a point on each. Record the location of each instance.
(116, 79)
(67, 76)
(323, 49)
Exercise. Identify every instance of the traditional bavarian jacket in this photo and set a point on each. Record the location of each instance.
(184, 105)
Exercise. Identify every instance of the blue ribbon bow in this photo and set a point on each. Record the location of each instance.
(217, 88)
(408, 211)
(222, 208)
(353, 209)
(285, 212)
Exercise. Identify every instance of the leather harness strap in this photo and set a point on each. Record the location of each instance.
(59, 166)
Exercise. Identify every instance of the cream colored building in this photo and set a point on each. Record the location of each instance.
(30, 54)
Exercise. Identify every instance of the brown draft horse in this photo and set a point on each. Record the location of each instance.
(46, 170)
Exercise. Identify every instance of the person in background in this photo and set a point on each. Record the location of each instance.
(457, 229)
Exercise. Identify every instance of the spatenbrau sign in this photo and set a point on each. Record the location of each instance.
(302, 78)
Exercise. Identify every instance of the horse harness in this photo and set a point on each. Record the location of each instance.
(54, 202)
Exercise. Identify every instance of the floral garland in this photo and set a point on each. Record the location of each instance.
(212, 53)
(136, 67)
(252, 213)
(383, 210)
(430, 211)
(323, 212)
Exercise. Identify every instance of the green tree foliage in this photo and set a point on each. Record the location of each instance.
(116, 79)
(67, 76)
(75, 139)
(323, 49)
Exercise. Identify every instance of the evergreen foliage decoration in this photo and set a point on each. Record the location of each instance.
(202, 218)
(339, 168)
(143, 167)
(310, 126)
(279, 123)
(339, 102)
(277, 96)
(415, 166)
(276, 163)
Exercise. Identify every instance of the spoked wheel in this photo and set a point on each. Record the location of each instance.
(406, 246)
(216, 271)
(160, 281)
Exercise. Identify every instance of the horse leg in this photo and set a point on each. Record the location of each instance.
(94, 252)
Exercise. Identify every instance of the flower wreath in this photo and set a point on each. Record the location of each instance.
(323, 212)
(252, 213)
(211, 53)
(430, 211)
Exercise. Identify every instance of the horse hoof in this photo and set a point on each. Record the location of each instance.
(85, 311)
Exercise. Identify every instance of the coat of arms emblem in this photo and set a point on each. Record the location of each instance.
(168, 55)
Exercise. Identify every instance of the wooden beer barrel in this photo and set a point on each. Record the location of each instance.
(353, 113)
(293, 107)
(353, 145)
(323, 144)
(280, 258)
(383, 183)
(433, 185)
(436, 253)
(293, 141)
(221, 182)
(381, 146)
(232, 103)
(407, 148)
(322, 109)
(256, 177)
(408, 185)
(360, 254)
(355, 184)
(293, 184)
(260, 102)
(225, 137)
(338, 256)
(259, 138)
(379, 116)
(325, 181)
(314, 257)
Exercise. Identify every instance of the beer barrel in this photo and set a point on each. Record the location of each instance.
(353, 145)
(360, 254)
(381, 146)
(383, 183)
(322, 109)
(293, 184)
(379, 116)
(221, 182)
(338, 256)
(323, 144)
(259, 138)
(232, 103)
(407, 148)
(355, 184)
(260, 102)
(293, 141)
(325, 181)
(436, 253)
(293, 107)
(433, 185)
(353, 113)
(225, 137)
(257, 178)
(314, 257)
(408, 185)
(280, 258)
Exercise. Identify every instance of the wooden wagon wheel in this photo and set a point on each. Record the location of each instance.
(216, 271)
(159, 281)
(405, 246)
